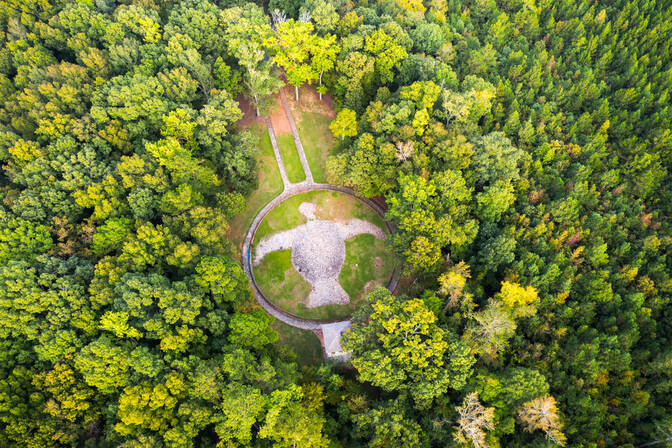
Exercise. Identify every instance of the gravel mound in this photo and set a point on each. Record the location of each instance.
(318, 253)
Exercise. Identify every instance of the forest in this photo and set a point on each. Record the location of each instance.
(522, 149)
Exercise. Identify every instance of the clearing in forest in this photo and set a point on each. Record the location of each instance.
(318, 254)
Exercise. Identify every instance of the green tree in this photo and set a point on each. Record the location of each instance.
(292, 46)
(387, 425)
(323, 51)
(293, 419)
(397, 345)
(387, 52)
(252, 330)
(345, 124)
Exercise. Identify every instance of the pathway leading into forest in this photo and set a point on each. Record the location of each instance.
(331, 331)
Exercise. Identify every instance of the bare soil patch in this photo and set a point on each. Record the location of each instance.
(309, 101)
(278, 117)
(249, 113)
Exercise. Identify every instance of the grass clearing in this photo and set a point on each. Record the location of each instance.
(277, 278)
(317, 140)
(305, 344)
(330, 205)
(269, 185)
(312, 117)
(290, 156)
(368, 263)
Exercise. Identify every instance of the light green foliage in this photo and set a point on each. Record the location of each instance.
(22, 239)
(158, 309)
(252, 330)
(247, 28)
(397, 345)
(507, 391)
(345, 124)
(140, 21)
(427, 37)
(323, 52)
(242, 409)
(387, 52)
(294, 419)
(387, 425)
(183, 168)
(494, 201)
(46, 303)
(430, 215)
(149, 407)
(103, 365)
(495, 158)
(215, 118)
(292, 45)
(111, 235)
(224, 279)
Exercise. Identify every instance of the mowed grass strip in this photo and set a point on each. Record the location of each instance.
(290, 156)
(269, 185)
(317, 140)
(312, 117)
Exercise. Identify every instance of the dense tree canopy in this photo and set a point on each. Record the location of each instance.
(523, 150)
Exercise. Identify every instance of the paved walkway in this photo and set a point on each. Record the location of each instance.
(278, 155)
(331, 331)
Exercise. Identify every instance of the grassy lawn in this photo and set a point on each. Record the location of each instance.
(290, 156)
(312, 118)
(368, 262)
(270, 185)
(278, 279)
(317, 141)
(330, 205)
(303, 343)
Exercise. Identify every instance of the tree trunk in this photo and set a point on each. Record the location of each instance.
(296, 91)
(321, 84)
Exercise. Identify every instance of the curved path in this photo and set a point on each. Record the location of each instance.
(294, 189)
(331, 330)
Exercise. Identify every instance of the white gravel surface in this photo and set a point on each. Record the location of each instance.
(318, 252)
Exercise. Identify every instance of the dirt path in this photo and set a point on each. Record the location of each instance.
(278, 116)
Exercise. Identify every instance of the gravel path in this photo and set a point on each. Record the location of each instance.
(278, 155)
